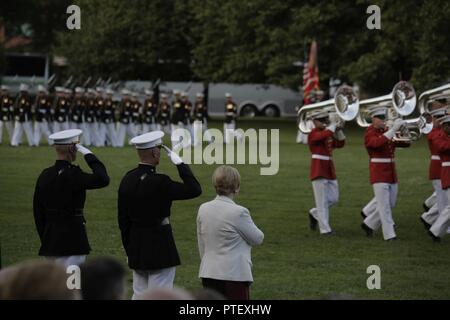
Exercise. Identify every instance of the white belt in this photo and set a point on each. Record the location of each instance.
(435, 158)
(320, 157)
(381, 160)
(445, 164)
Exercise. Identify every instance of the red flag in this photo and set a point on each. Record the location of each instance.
(311, 76)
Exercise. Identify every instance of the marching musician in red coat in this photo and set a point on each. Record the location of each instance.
(442, 144)
(430, 216)
(380, 146)
(322, 140)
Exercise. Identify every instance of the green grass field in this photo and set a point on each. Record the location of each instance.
(293, 262)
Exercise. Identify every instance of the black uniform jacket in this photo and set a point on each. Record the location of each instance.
(58, 206)
(145, 198)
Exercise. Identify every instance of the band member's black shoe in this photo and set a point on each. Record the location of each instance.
(392, 239)
(435, 239)
(425, 207)
(363, 215)
(312, 222)
(369, 232)
(425, 224)
(331, 233)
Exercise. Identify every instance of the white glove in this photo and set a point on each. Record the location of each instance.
(176, 160)
(398, 123)
(83, 150)
(339, 135)
(332, 127)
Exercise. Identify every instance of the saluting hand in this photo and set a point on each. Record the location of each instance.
(83, 150)
(176, 160)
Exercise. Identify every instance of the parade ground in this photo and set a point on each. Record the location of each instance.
(293, 262)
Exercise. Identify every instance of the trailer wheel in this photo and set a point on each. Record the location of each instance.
(271, 111)
(249, 110)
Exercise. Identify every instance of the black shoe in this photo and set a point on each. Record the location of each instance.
(425, 207)
(312, 222)
(425, 224)
(435, 239)
(392, 239)
(331, 233)
(369, 232)
(363, 215)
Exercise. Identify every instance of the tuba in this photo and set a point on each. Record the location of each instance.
(428, 97)
(343, 107)
(400, 102)
(424, 123)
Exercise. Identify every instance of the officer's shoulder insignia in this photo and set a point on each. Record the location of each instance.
(60, 172)
(143, 177)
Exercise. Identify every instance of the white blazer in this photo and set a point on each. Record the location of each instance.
(225, 234)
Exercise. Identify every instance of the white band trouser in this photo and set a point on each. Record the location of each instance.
(441, 202)
(431, 200)
(386, 198)
(144, 280)
(442, 223)
(326, 194)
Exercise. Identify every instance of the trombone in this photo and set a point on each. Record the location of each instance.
(343, 107)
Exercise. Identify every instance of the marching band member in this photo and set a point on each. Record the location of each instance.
(59, 197)
(430, 215)
(323, 138)
(6, 112)
(42, 107)
(163, 115)
(23, 116)
(125, 125)
(383, 177)
(442, 144)
(149, 113)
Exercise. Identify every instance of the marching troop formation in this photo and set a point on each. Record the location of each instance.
(104, 121)
(321, 127)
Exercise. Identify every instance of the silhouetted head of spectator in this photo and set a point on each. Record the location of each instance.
(103, 279)
(39, 280)
(165, 294)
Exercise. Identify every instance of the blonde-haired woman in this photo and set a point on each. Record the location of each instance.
(225, 234)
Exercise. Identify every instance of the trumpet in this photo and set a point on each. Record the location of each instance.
(400, 102)
(343, 107)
